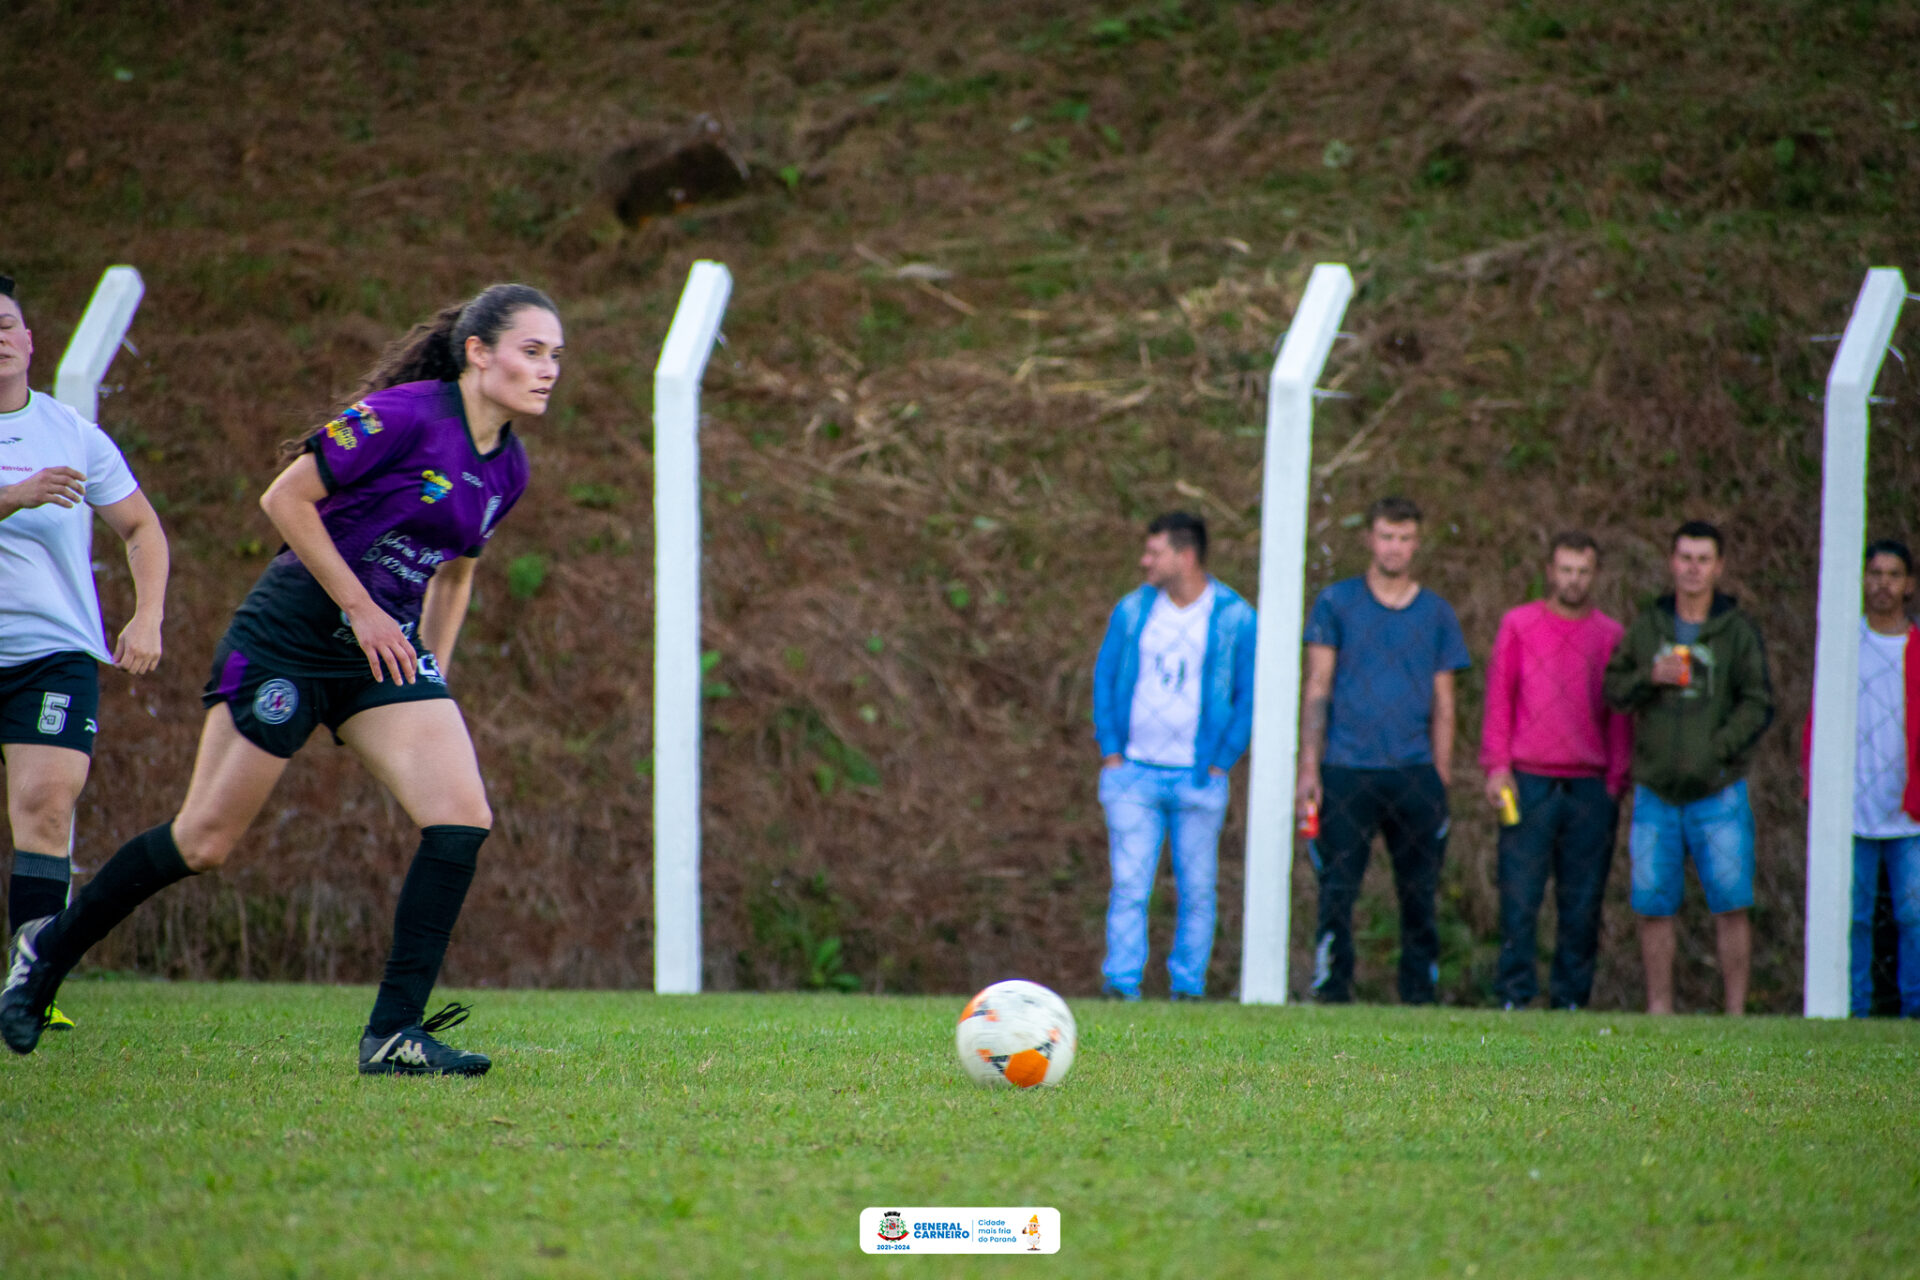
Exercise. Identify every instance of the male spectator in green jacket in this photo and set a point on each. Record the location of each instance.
(1693, 672)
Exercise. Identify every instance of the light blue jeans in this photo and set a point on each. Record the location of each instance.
(1716, 831)
(1902, 856)
(1144, 803)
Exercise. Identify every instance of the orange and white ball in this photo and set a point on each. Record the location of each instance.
(1016, 1033)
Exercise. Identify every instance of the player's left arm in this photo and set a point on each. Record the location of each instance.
(445, 607)
(134, 519)
(1442, 728)
(1752, 709)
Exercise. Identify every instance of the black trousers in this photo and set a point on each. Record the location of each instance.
(1408, 807)
(1566, 830)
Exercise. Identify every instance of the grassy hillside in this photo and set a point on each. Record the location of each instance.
(1592, 243)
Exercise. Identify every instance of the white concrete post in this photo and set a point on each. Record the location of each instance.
(1276, 682)
(676, 629)
(102, 328)
(1836, 661)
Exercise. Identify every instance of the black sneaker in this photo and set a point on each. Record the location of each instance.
(412, 1051)
(24, 999)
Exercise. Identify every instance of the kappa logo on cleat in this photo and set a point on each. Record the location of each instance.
(410, 1053)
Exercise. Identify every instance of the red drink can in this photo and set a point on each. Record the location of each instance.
(1310, 821)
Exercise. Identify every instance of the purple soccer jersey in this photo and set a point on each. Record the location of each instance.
(407, 491)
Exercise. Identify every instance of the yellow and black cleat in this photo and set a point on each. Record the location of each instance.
(58, 1021)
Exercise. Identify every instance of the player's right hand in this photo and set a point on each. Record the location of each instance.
(384, 643)
(1307, 790)
(62, 486)
(1498, 780)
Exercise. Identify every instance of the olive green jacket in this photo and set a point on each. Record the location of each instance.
(1690, 742)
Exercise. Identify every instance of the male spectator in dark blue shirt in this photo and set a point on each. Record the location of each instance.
(1376, 749)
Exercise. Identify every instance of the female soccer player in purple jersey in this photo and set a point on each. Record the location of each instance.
(352, 627)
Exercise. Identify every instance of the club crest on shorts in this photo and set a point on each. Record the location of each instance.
(346, 430)
(276, 702)
(434, 486)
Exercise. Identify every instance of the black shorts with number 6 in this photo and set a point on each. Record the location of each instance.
(278, 712)
(51, 702)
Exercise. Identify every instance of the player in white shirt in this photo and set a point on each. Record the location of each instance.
(57, 471)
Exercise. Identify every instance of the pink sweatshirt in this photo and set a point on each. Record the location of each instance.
(1545, 713)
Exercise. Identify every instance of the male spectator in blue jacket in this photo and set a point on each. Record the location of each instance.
(1376, 749)
(1173, 710)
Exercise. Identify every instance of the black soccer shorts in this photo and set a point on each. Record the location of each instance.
(51, 702)
(278, 712)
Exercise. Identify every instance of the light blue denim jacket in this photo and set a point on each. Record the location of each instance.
(1226, 681)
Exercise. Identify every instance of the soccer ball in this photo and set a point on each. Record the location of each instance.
(1016, 1033)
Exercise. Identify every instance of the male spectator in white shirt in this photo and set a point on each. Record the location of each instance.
(1173, 711)
(57, 471)
(1886, 788)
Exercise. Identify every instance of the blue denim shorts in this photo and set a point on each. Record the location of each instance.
(1715, 831)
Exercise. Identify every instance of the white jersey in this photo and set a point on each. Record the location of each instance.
(1880, 761)
(47, 600)
(1165, 722)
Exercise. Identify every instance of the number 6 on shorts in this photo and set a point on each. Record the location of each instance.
(53, 713)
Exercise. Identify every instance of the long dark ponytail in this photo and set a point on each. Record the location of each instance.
(436, 350)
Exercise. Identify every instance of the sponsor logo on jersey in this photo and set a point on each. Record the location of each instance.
(471, 479)
(276, 702)
(486, 521)
(12, 440)
(347, 429)
(434, 486)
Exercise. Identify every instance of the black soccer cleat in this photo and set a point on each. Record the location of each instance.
(412, 1051)
(25, 998)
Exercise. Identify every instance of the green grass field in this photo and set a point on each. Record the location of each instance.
(220, 1130)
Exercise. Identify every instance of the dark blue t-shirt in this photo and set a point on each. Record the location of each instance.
(1383, 673)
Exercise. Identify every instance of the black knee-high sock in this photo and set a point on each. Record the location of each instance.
(143, 867)
(37, 888)
(430, 902)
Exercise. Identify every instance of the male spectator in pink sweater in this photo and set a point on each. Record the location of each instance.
(1551, 746)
